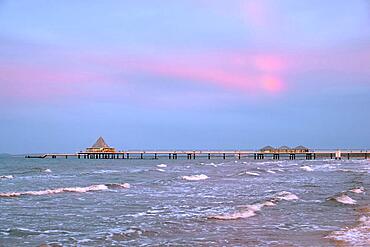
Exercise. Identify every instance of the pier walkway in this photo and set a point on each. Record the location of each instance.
(209, 154)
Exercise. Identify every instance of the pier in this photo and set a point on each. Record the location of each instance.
(100, 150)
(215, 154)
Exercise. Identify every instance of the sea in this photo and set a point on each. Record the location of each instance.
(201, 202)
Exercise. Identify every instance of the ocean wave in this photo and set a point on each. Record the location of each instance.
(345, 170)
(98, 187)
(105, 171)
(234, 216)
(306, 168)
(162, 165)
(118, 186)
(286, 196)
(41, 169)
(210, 164)
(20, 232)
(195, 177)
(251, 210)
(160, 170)
(7, 177)
(266, 162)
(116, 235)
(358, 190)
(252, 173)
(359, 235)
(345, 199)
(248, 173)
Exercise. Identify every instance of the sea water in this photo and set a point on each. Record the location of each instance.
(72, 202)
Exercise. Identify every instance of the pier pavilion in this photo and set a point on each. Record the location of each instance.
(100, 146)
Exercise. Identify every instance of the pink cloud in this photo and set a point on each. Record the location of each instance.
(270, 63)
(250, 73)
(272, 84)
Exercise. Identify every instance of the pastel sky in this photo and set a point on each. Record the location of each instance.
(205, 74)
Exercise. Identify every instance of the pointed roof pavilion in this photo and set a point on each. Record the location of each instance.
(100, 146)
(100, 143)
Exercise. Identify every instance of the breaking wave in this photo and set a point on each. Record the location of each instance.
(359, 235)
(7, 177)
(251, 210)
(358, 190)
(195, 177)
(210, 164)
(98, 187)
(286, 196)
(162, 165)
(344, 199)
(105, 171)
(306, 168)
(252, 173)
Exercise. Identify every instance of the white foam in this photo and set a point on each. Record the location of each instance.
(248, 211)
(358, 235)
(234, 216)
(47, 170)
(98, 187)
(160, 170)
(252, 173)
(10, 194)
(208, 164)
(162, 165)
(7, 177)
(195, 177)
(137, 214)
(345, 199)
(271, 171)
(306, 168)
(105, 171)
(269, 203)
(358, 190)
(285, 195)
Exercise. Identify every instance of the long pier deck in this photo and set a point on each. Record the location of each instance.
(209, 154)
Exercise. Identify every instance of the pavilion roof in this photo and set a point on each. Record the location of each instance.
(100, 143)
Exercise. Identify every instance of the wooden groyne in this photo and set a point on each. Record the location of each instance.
(214, 154)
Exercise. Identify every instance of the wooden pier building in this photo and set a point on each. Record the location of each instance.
(100, 146)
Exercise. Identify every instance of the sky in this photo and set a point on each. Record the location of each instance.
(185, 74)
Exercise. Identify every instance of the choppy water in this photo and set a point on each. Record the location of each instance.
(184, 202)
